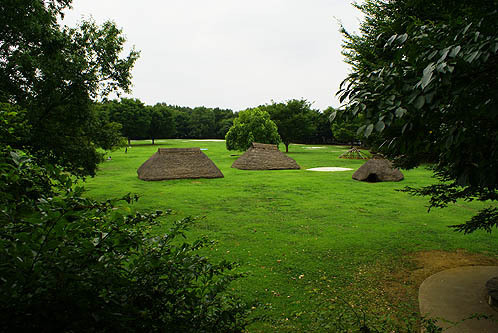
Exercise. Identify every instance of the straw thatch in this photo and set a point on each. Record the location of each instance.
(378, 170)
(178, 163)
(354, 154)
(262, 156)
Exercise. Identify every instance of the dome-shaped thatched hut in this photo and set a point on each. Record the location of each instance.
(378, 170)
(262, 156)
(178, 163)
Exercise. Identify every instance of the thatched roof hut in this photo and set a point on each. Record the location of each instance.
(378, 170)
(262, 156)
(178, 163)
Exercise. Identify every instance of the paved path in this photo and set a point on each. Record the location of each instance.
(457, 293)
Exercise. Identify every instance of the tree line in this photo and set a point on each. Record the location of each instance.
(163, 121)
(296, 119)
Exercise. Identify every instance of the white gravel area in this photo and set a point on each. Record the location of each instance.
(313, 147)
(329, 169)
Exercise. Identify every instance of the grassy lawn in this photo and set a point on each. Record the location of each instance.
(310, 242)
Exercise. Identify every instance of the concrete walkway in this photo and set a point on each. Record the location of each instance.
(457, 293)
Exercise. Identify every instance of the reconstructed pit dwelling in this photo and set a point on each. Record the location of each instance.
(378, 170)
(262, 156)
(178, 163)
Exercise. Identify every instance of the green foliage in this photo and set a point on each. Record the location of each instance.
(13, 124)
(181, 124)
(223, 127)
(73, 264)
(163, 121)
(54, 73)
(223, 122)
(161, 124)
(294, 120)
(133, 117)
(425, 77)
(323, 133)
(107, 134)
(344, 128)
(252, 125)
(201, 123)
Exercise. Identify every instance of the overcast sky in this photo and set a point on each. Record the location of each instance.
(231, 53)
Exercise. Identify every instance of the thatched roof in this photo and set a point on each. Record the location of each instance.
(354, 154)
(378, 170)
(264, 157)
(178, 163)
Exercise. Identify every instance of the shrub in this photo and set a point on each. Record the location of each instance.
(71, 264)
(252, 125)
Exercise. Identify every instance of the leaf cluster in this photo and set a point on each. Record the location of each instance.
(294, 119)
(55, 73)
(252, 125)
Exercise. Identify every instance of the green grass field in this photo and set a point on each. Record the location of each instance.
(308, 241)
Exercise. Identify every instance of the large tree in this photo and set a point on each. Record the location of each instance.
(425, 77)
(251, 125)
(55, 73)
(294, 120)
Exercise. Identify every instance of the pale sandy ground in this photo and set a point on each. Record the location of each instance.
(329, 169)
(456, 294)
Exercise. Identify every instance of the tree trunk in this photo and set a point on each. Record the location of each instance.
(286, 147)
(129, 141)
(152, 141)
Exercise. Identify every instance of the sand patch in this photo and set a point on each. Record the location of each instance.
(393, 286)
(431, 262)
(402, 283)
(329, 169)
(207, 140)
(314, 147)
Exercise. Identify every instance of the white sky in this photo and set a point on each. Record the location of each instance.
(230, 53)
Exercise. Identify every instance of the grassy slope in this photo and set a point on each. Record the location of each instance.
(305, 238)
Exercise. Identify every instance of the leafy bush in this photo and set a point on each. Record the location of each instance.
(72, 264)
(252, 125)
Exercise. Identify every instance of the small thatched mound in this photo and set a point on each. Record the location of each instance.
(354, 154)
(378, 170)
(178, 163)
(264, 157)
